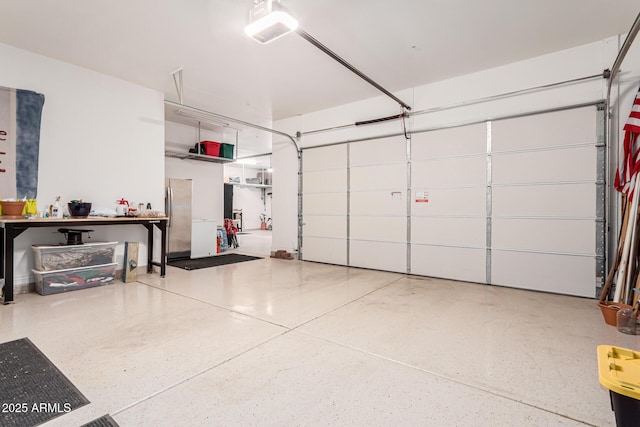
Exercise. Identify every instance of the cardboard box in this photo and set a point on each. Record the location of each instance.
(130, 269)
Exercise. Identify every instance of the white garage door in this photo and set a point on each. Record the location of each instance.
(516, 202)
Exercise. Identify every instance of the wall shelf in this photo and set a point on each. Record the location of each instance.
(193, 156)
(237, 184)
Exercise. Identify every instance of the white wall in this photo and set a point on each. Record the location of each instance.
(573, 63)
(99, 134)
(285, 196)
(101, 139)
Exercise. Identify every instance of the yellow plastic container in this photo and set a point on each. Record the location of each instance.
(619, 370)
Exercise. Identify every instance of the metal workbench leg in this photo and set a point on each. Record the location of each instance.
(3, 248)
(163, 248)
(149, 228)
(162, 226)
(10, 233)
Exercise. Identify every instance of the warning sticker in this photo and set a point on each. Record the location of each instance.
(422, 197)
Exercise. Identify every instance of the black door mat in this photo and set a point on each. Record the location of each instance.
(211, 261)
(103, 421)
(32, 389)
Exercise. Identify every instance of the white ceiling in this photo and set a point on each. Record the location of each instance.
(399, 44)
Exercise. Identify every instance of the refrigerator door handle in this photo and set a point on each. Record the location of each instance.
(169, 204)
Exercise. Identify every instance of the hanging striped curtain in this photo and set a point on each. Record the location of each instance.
(20, 115)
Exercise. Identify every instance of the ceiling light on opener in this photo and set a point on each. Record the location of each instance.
(269, 21)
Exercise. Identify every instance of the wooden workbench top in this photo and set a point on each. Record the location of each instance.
(91, 219)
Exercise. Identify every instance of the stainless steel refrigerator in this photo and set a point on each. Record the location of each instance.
(178, 208)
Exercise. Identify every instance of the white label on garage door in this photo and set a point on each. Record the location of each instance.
(422, 196)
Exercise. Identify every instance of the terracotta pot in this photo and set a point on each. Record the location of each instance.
(610, 311)
(12, 208)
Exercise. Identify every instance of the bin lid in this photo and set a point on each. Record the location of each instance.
(619, 370)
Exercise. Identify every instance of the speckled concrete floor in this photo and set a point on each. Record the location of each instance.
(276, 342)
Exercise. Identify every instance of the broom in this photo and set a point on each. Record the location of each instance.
(616, 263)
(630, 232)
(626, 249)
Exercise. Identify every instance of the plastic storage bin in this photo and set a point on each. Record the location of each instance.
(72, 279)
(226, 151)
(51, 258)
(619, 371)
(211, 148)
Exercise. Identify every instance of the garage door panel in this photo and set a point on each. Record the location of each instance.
(572, 236)
(378, 255)
(333, 157)
(462, 140)
(330, 181)
(572, 164)
(387, 202)
(387, 229)
(562, 274)
(379, 177)
(448, 262)
(319, 249)
(450, 201)
(449, 172)
(324, 204)
(449, 231)
(325, 226)
(544, 201)
(568, 200)
(569, 127)
(378, 151)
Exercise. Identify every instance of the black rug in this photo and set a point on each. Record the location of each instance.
(103, 421)
(211, 261)
(32, 389)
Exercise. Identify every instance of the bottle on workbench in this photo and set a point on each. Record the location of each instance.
(56, 210)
